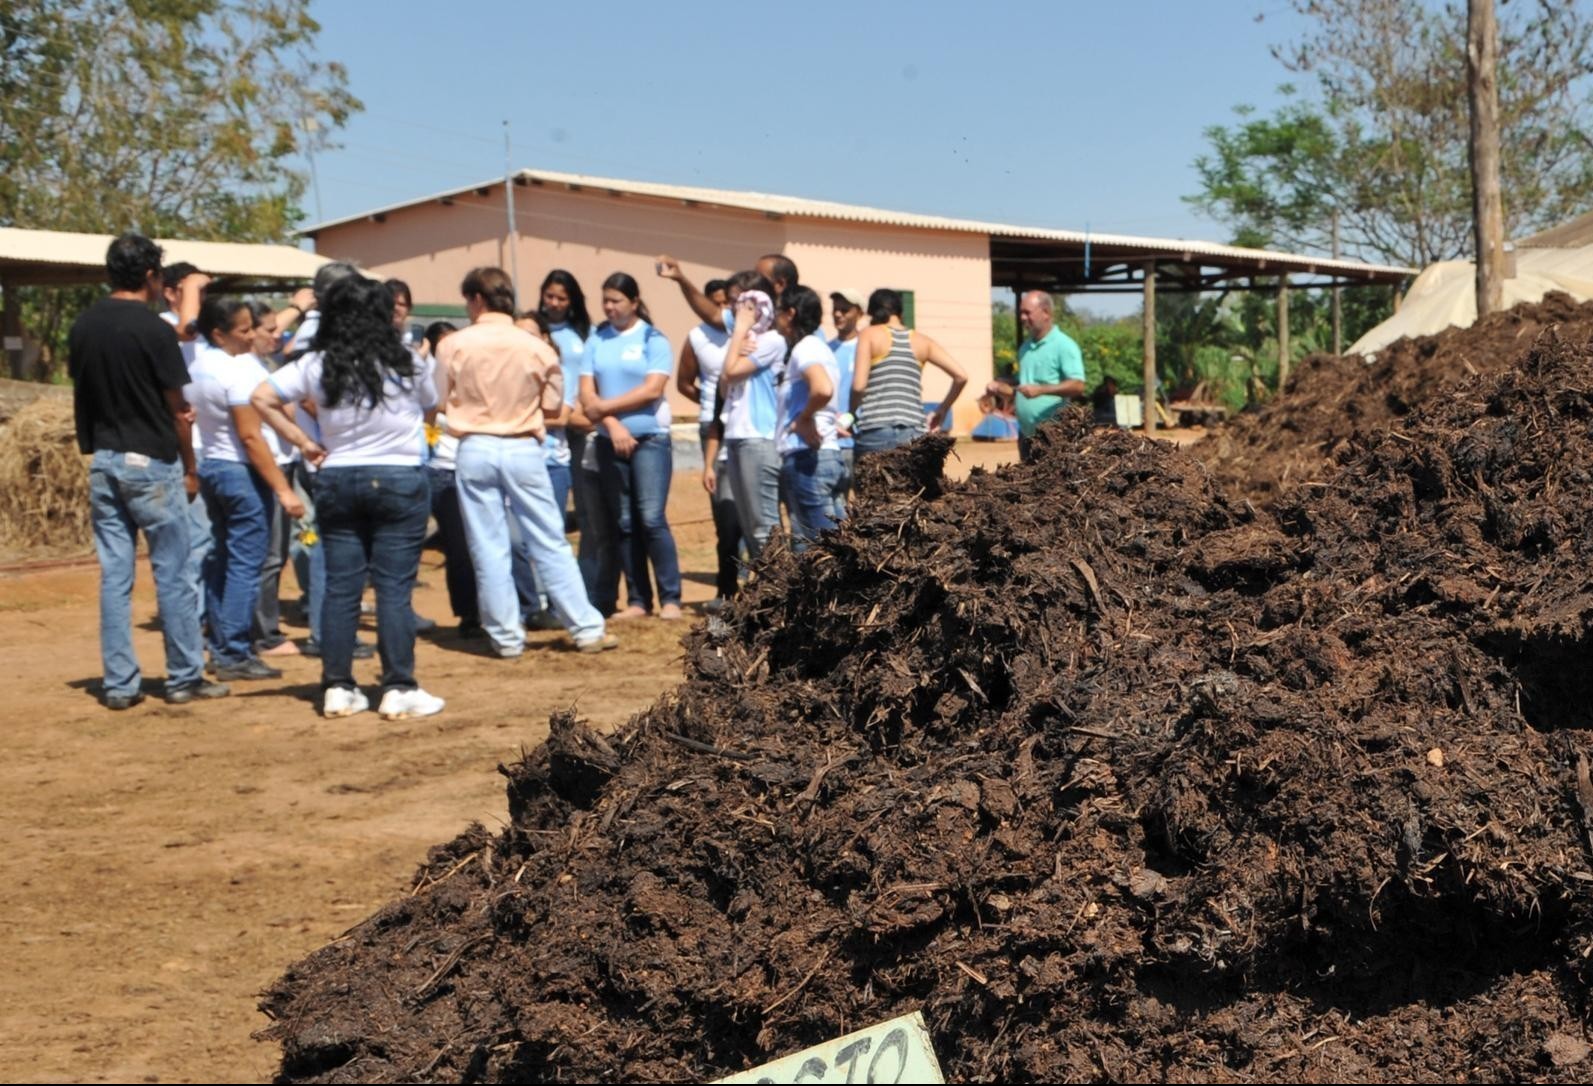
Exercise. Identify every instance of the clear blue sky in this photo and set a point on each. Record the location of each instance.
(1054, 114)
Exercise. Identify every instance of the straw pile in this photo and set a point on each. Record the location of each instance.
(44, 487)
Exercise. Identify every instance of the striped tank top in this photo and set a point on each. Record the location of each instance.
(895, 392)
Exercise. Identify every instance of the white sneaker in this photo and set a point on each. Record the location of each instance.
(341, 701)
(403, 704)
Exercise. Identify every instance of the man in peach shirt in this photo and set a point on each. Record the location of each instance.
(498, 383)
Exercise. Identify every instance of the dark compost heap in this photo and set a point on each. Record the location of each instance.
(1110, 775)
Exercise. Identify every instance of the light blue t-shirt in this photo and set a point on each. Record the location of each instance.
(810, 352)
(571, 347)
(620, 361)
(845, 358)
(752, 404)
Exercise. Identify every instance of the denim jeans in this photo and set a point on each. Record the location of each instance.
(309, 562)
(635, 494)
(727, 528)
(848, 476)
(599, 563)
(882, 438)
(457, 567)
(240, 504)
(533, 597)
(198, 550)
(373, 522)
(267, 627)
(812, 482)
(754, 467)
(503, 477)
(125, 499)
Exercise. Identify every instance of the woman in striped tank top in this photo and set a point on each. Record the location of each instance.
(887, 380)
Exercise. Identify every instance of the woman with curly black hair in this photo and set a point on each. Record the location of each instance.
(371, 395)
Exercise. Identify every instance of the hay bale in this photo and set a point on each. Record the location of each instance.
(44, 484)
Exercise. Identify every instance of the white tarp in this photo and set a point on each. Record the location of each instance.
(1445, 294)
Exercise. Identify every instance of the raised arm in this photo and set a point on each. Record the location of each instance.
(686, 375)
(669, 268)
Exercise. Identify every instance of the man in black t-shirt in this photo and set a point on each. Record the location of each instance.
(128, 377)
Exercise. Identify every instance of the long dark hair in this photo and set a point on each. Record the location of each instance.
(360, 348)
(627, 286)
(808, 311)
(216, 313)
(578, 319)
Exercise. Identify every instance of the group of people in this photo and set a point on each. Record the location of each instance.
(219, 425)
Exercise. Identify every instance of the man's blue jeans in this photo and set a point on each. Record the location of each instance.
(503, 477)
(754, 467)
(239, 503)
(373, 522)
(148, 497)
(635, 494)
(813, 481)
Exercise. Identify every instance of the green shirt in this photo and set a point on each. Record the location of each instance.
(1049, 361)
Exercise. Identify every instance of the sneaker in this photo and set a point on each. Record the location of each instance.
(342, 701)
(424, 624)
(508, 654)
(471, 631)
(715, 605)
(670, 612)
(116, 703)
(600, 643)
(543, 620)
(363, 650)
(252, 668)
(404, 704)
(199, 691)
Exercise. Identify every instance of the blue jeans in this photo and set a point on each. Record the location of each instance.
(239, 503)
(309, 560)
(599, 565)
(635, 493)
(457, 568)
(198, 550)
(373, 522)
(754, 467)
(125, 499)
(727, 528)
(882, 438)
(813, 482)
(503, 477)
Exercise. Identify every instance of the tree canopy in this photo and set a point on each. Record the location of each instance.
(1379, 131)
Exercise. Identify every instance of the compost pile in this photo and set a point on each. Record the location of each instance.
(1297, 436)
(1110, 776)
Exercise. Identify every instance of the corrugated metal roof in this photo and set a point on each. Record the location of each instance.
(802, 207)
(61, 252)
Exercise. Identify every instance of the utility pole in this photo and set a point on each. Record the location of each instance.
(311, 127)
(1338, 316)
(1482, 63)
(508, 203)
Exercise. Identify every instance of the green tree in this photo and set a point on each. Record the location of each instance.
(172, 117)
(1380, 135)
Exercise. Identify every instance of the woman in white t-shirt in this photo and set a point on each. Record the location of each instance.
(702, 363)
(237, 477)
(811, 468)
(372, 496)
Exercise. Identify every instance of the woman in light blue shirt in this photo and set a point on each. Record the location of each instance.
(625, 370)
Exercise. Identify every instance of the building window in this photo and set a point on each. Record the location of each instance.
(909, 309)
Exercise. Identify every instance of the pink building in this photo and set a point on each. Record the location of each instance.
(945, 267)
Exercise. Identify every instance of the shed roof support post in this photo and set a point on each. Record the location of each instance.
(1283, 332)
(11, 328)
(1149, 332)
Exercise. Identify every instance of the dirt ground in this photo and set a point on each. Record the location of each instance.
(167, 863)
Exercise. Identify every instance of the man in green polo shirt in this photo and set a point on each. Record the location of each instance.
(1050, 368)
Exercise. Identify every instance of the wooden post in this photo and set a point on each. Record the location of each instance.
(1283, 332)
(11, 329)
(1338, 317)
(1482, 62)
(1149, 330)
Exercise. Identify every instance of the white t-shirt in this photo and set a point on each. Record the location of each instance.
(188, 350)
(304, 335)
(218, 382)
(709, 345)
(810, 352)
(752, 408)
(355, 433)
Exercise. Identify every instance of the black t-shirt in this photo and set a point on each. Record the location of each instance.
(122, 359)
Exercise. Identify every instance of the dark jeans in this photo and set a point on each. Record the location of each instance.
(240, 504)
(882, 438)
(267, 631)
(727, 526)
(458, 569)
(596, 557)
(373, 522)
(635, 493)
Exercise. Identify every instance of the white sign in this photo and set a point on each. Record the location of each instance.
(894, 1051)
